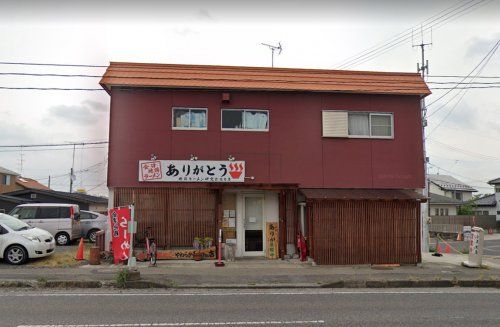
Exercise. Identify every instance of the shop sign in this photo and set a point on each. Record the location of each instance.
(119, 219)
(272, 240)
(191, 171)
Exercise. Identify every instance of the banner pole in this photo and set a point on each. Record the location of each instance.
(132, 261)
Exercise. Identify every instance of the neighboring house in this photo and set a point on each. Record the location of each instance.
(7, 202)
(267, 153)
(440, 205)
(485, 205)
(7, 180)
(496, 184)
(450, 187)
(24, 183)
(85, 201)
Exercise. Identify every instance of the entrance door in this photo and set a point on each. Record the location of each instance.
(254, 225)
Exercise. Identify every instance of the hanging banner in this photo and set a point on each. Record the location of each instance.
(191, 171)
(272, 240)
(119, 219)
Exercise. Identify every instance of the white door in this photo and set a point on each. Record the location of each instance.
(253, 232)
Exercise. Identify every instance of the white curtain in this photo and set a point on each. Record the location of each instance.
(256, 120)
(359, 124)
(198, 118)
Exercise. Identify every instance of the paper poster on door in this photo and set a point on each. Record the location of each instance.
(272, 240)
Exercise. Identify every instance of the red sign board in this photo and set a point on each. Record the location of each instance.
(119, 219)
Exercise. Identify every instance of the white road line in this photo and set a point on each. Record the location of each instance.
(326, 292)
(224, 323)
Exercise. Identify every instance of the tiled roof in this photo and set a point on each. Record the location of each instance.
(8, 172)
(450, 183)
(487, 201)
(494, 181)
(14, 199)
(85, 198)
(361, 194)
(31, 183)
(261, 78)
(441, 199)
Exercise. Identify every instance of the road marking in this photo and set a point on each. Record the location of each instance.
(224, 323)
(317, 292)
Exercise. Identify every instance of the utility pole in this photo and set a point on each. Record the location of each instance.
(273, 48)
(49, 182)
(71, 175)
(423, 68)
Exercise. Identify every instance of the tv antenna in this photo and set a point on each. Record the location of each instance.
(273, 48)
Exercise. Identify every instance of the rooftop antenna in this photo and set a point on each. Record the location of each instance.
(273, 48)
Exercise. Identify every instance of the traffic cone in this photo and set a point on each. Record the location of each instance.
(490, 231)
(459, 236)
(447, 249)
(79, 253)
(439, 249)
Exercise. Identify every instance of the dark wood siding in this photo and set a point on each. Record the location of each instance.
(176, 215)
(365, 232)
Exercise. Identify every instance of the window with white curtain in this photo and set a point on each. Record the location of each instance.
(189, 118)
(374, 125)
(242, 119)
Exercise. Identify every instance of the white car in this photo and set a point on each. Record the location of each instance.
(20, 242)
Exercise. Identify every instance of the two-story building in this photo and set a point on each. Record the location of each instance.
(447, 194)
(7, 180)
(335, 156)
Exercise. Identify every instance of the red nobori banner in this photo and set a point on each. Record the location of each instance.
(119, 219)
(191, 171)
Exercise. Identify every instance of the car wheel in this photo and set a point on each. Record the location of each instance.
(62, 239)
(16, 255)
(92, 235)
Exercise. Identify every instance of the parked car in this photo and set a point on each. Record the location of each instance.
(61, 220)
(92, 222)
(20, 242)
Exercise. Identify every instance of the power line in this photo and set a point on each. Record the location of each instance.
(463, 79)
(50, 64)
(491, 53)
(51, 145)
(48, 88)
(398, 39)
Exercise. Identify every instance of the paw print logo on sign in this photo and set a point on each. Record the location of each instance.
(235, 170)
(151, 170)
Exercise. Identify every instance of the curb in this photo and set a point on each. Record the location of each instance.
(145, 284)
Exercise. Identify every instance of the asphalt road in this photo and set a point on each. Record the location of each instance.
(401, 307)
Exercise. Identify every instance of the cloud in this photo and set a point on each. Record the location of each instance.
(186, 31)
(87, 113)
(203, 14)
(479, 46)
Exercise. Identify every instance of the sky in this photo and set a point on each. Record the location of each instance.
(463, 136)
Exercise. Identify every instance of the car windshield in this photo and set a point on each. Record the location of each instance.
(13, 223)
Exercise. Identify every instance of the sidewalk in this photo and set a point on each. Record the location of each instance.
(443, 271)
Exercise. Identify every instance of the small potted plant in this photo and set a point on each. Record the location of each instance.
(208, 242)
(198, 245)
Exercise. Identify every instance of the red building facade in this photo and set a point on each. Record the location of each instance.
(320, 148)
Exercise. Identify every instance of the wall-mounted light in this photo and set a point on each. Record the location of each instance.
(250, 177)
(153, 156)
(193, 158)
(230, 158)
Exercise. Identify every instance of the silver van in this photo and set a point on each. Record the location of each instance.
(61, 220)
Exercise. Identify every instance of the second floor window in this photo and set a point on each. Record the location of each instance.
(189, 118)
(6, 179)
(370, 125)
(239, 119)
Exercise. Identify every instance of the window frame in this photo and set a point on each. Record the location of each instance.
(370, 114)
(190, 128)
(243, 120)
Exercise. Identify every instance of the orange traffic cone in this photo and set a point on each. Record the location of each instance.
(490, 231)
(447, 249)
(439, 249)
(459, 236)
(79, 253)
